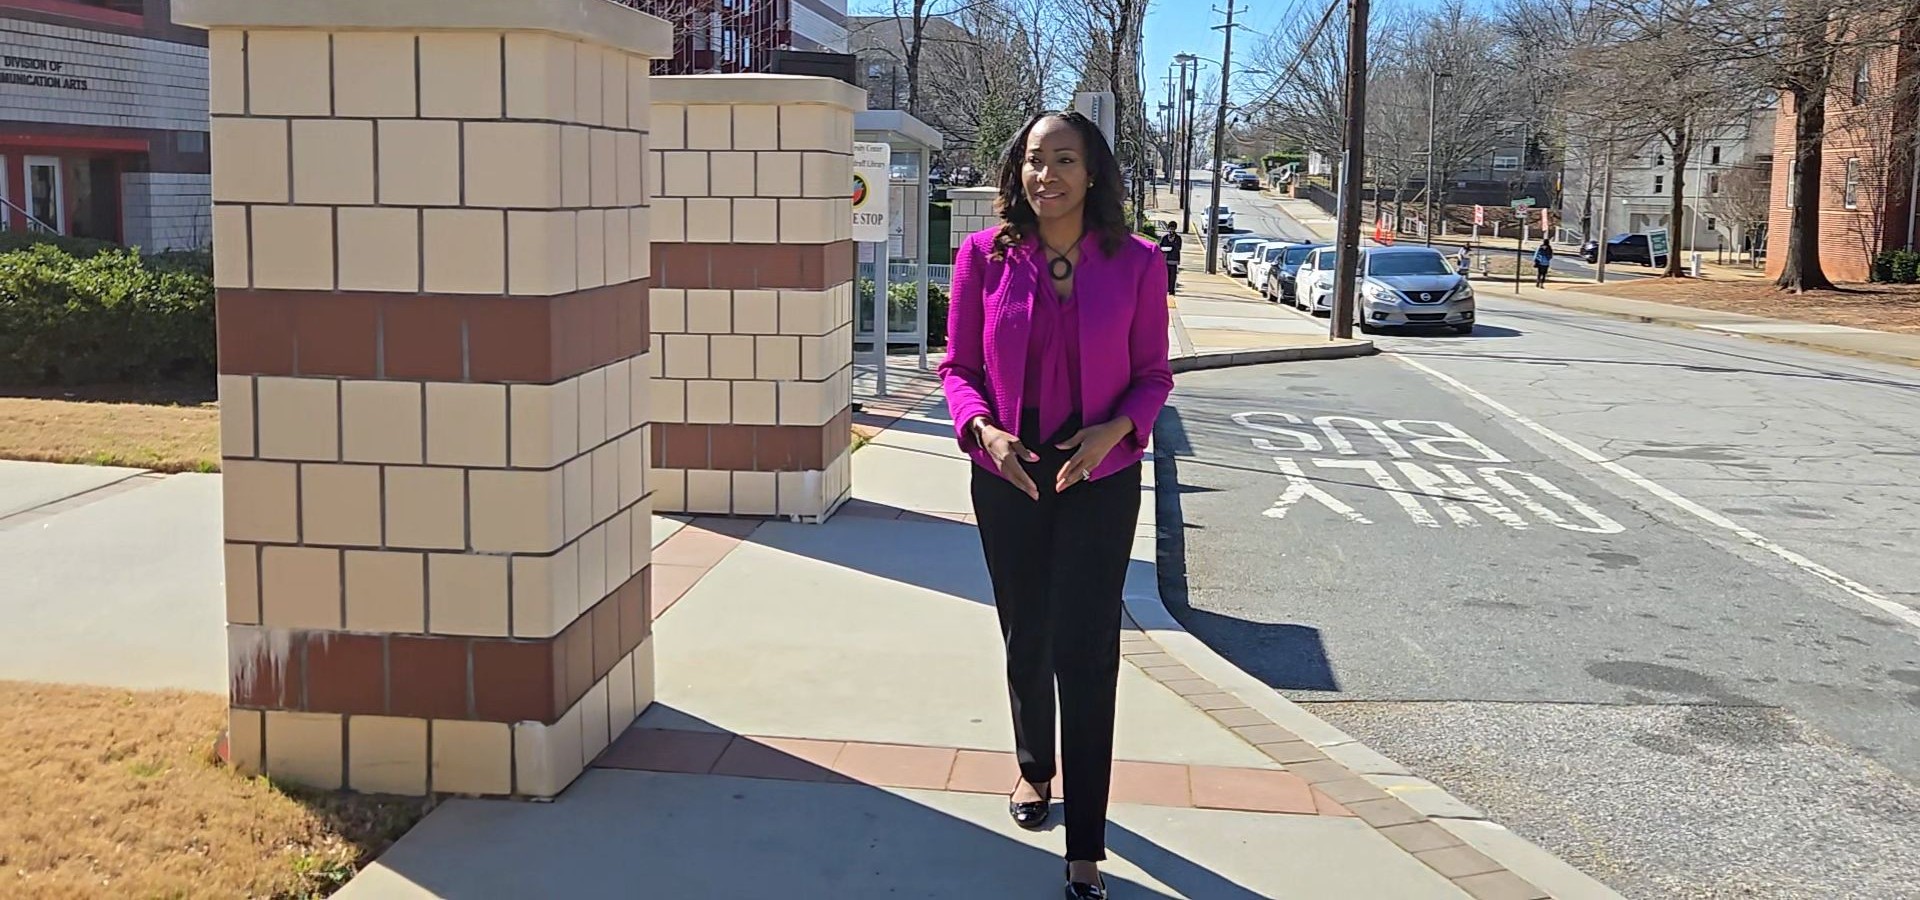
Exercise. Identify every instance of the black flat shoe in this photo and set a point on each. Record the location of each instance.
(1080, 891)
(1030, 814)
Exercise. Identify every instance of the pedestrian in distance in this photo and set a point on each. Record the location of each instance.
(1170, 247)
(1463, 261)
(1056, 369)
(1542, 258)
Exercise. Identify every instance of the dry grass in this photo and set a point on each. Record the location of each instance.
(1881, 307)
(169, 429)
(113, 793)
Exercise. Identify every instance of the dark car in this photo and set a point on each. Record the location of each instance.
(1247, 181)
(1624, 248)
(1280, 278)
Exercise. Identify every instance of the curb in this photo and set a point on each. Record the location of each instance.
(1545, 873)
(1691, 326)
(1228, 359)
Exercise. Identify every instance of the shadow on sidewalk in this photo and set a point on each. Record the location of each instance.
(1288, 656)
(707, 813)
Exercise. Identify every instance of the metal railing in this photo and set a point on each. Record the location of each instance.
(902, 271)
(33, 225)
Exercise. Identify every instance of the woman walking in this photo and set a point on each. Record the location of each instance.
(1056, 369)
(1542, 258)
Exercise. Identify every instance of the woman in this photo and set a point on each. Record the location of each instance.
(1542, 258)
(1056, 369)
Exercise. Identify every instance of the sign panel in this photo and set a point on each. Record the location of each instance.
(1523, 203)
(1546, 224)
(1479, 214)
(871, 190)
(1098, 106)
(1657, 243)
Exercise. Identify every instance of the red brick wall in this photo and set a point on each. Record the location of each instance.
(1879, 134)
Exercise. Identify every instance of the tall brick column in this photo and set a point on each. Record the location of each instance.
(431, 239)
(753, 293)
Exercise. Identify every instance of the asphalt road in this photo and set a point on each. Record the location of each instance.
(1644, 595)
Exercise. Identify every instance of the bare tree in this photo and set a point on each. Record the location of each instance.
(1746, 200)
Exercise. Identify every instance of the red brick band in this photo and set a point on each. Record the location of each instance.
(430, 337)
(798, 267)
(752, 448)
(449, 676)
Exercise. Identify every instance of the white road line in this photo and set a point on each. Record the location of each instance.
(1855, 588)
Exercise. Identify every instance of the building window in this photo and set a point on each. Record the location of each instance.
(1851, 197)
(1659, 184)
(1713, 155)
(1713, 224)
(1713, 182)
(1659, 159)
(1506, 163)
(1862, 79)
(1793, 184)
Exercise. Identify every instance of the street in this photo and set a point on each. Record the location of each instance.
(1645, 595)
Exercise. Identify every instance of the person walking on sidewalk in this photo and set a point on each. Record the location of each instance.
(1056, 369)
(1542, 258)
(1170, 247)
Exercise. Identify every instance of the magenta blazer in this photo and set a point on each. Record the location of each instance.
(1122, 302)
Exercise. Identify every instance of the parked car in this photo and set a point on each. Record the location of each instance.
(1314, 282)
(1247, 180)
(1412, 287)
(1239, 252)
(1282, 274)
(1264, 256)
(1623, 248)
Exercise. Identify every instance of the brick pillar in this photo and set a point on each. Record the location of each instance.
(431, 249)
(753, 294)
(972, 211)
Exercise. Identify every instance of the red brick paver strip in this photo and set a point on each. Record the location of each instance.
(983, 772)
(1327, 806)
(1252, 790)
(657, 750)
(1152, 784)
(1501, 885)
(1238, 716)
(1414, 837)
(671, 582)
(786, 759)
(895, 765)
(1458, 862)
(695, 547)
(1211, 702)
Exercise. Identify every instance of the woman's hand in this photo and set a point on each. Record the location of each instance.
(1008, 453)
(1089, 446)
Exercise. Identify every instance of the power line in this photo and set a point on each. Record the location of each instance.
(1293, 67)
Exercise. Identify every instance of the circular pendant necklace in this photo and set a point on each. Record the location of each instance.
(1061, 268)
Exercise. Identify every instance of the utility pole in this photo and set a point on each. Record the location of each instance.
(1433, 89)
(1219, 139)
(1347, 257)
(1606, 201)
(1189, 74)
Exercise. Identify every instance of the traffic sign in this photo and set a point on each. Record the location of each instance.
(1657, 247)
(871, 172)
(1523, 203)
(1479, 214)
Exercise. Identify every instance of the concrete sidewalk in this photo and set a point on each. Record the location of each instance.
(831, 723)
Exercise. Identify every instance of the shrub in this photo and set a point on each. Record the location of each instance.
(1904, 267)
(103, 315)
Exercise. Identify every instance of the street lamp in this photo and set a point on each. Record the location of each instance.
(1189, 73)
(1433, 89)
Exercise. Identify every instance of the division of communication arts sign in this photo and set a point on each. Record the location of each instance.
(871, 164)
(32, 71)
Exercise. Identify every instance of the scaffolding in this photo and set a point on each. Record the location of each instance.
(721, 36)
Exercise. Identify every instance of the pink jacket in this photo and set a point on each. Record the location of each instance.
(1122, 302)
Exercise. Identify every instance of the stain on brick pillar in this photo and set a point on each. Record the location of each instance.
(753, 294)
(431, 230)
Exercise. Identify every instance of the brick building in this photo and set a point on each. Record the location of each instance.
(103, 122)
(1866, 167)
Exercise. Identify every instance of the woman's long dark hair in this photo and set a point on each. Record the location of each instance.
(1105, 212)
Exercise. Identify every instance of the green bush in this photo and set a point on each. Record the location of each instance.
(103, 315)
(1905, 268)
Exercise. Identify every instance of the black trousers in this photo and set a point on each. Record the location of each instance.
(1173, 274)
(1059, 566)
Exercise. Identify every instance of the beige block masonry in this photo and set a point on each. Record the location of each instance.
(410, 536)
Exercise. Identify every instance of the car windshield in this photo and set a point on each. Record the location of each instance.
(1297, 255)
(1244, 246)
(1408, 264)
(1272, 254)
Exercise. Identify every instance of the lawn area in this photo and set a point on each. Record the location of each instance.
(169, 429)
(1881, 307)
(114, 793)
